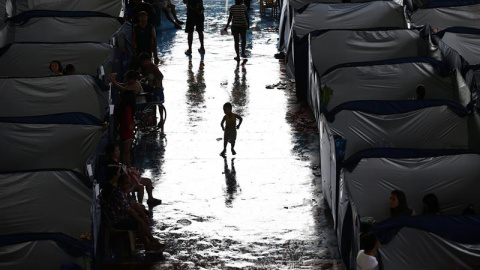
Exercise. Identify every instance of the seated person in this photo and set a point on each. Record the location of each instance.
(398, 204)
(430, 205)
(69, 70)
(152, 76)
(419, 92)
(366, 256)
(55, 68)
(113, 151)
(125, 217)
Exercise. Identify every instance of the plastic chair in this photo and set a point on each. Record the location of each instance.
(264, 4)
(110, 231)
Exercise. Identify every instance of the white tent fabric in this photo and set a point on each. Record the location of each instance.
(320, 16)
(349, 46)
(52, 95)
(60, 146)
(38, 255)
(110, 7)
(386, 82)
(441, 18)
(428, 128)
(67, 210)
(61, 29)
(33, 59)
(454, 179)
(421, 250)
(467, 45)
(328, 165)
(374, 14)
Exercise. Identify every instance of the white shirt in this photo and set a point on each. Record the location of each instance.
(366, 262)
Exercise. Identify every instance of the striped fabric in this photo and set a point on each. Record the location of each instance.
(239, 15)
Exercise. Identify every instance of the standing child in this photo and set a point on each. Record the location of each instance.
(239, 18)
(230, 128)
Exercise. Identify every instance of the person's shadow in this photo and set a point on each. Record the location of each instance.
(231, 182)
(239, 96)
(196, 85)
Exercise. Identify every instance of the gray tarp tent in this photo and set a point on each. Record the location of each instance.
(435, 127)
(362, 128)
(466, 42)
(60, 29)
(387, 81)
(23, 144)
(452, 176)
(33, 59)
(451, 14)
(67, 210)
(419, 250)
(110, 7)
(315, 17)
(331, 49)
(65, 94)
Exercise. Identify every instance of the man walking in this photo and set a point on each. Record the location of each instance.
(195, 22)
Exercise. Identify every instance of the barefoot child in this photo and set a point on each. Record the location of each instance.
(230, 128)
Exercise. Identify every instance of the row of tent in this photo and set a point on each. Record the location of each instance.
(358, 65)
(51, 126)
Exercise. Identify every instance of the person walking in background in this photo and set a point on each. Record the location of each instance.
(229, 126)
(195, 22)
(239, 18)
(145, 37)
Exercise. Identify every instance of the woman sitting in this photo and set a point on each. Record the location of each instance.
(398, 204)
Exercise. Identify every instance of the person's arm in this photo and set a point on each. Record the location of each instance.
(229, 20)
(154, 47)
(159, 77)
(222, 123)
(240, 119)
(117, 85)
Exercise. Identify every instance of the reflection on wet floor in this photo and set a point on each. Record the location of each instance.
(260, 209)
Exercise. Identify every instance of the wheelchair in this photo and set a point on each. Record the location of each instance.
(151, 116)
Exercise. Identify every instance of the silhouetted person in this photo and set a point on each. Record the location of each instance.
(230, 128)
(398, 204)
(195, 22)
(430, 205)
(419, 92)
(145, 37)
(69, 69)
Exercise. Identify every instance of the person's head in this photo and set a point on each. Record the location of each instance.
(131, 76)
(69, 69)
(56, 67)
(113, 151)
(125, 182)
(144, 58)
(113, 172)
(420, 92)
(142, 16)
(369, 242)
(430, 205)
(398, 202)
(238, 2)
(227, 108)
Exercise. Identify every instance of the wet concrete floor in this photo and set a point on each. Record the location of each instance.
(259, 209)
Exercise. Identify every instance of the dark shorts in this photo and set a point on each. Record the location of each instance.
(195, 22)
(239, 30)
(126, 224)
